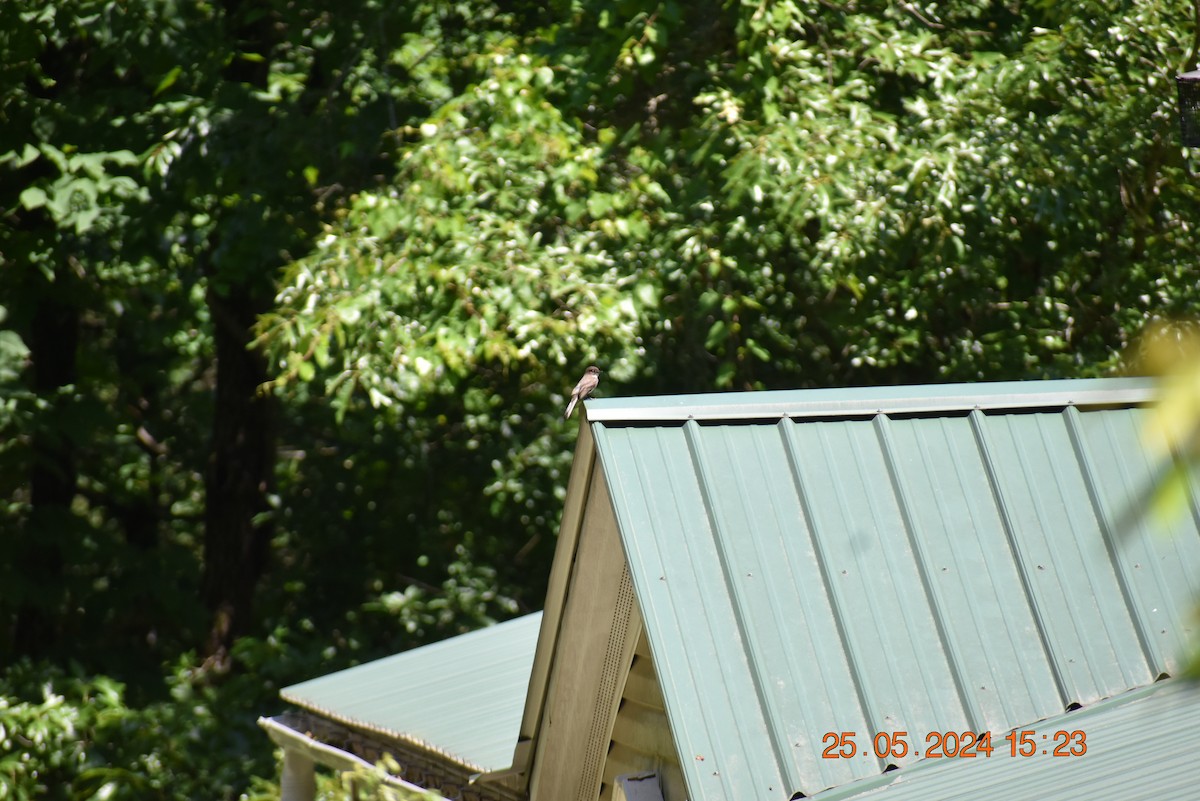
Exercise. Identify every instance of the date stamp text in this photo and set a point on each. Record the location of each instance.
(957, 745)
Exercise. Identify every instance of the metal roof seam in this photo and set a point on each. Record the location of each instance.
(1147, 577)
(1020, 563)
(813, 645)
(922, 561)
(1086, 466)
(1066, 652)
(894, 622)
(1075, 546)
(1128, 530)
(978, 578)
(707, 599)
(741, 607)
(673, 685)
(861, 692)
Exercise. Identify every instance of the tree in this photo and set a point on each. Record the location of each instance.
(147, 253)
(63, 205)
(744, 196)
(294, 292)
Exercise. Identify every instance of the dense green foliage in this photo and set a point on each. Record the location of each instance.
(292, 293)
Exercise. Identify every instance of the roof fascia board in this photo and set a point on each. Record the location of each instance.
(870, 401)
(556, 593)
(290, 739)
(419, 745)
(591, 661)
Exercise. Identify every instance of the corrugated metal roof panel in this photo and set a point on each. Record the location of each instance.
(916, 572)
(714, 681)
(462, 697)
(1141, 746)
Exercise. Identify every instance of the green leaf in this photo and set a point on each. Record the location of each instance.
(168, 80)
(13, 353)
(761, 353)
(717, 334)
(86, 218)
(33, 198)
(28, 154)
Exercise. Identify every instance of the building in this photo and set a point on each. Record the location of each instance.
(446, 713)
(902, 592)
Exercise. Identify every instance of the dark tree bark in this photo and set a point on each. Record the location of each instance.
(240, 473)
(239, 478)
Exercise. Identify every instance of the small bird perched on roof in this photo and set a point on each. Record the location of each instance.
(591, 377)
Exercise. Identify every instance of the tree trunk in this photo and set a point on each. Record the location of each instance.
(241, 462)
(239, 479)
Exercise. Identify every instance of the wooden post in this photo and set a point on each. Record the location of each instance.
(299, 781)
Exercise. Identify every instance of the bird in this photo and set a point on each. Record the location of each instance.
(591, 377)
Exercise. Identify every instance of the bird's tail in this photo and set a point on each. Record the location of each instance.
(570, 408)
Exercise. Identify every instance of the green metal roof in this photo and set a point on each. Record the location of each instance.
(461, 698)
(915, 558)
(864, 401)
